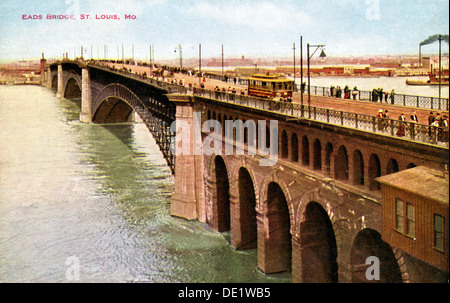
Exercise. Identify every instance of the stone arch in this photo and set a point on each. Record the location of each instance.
(392, 167)
(284, 144)
(328, 156)
(235, 174)
(221, 207)
(217, 217)
(244, 234)
(410, 165)
(374, 172)
(368, 243)
(317, 155)
(294, 147)
(316, 227)
(275, 213)
(341, 164)
(305, 150)
(358, 168)
(261, 202)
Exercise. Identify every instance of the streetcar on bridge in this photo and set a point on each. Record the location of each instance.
(270, 86)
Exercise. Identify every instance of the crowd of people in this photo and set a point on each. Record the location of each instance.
(379, 95)
(337, 92)
(438, 127)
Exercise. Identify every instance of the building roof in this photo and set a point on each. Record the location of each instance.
(421, 181)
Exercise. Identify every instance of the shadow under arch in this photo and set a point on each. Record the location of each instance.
(244, 230)
(72, 85)
(318, 246)
(221, 207)
(274, 231)
(368, 243)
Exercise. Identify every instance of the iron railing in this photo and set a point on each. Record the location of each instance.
(384, 126)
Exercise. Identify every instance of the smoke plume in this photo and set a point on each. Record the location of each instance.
(434, 38)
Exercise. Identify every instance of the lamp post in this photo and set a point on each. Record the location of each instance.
(322, 55)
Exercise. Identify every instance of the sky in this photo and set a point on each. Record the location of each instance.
(250, 28)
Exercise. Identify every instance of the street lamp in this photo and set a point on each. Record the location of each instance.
(322, 55)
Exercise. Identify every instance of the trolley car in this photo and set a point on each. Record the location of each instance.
(270, 86)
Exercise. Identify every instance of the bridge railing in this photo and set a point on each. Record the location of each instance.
(395, 99)
(384, 126)
(170, 87)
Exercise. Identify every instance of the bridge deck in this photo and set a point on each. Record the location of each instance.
(345, 112)
(347, 105)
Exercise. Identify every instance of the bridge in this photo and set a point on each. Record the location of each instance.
(313, 209)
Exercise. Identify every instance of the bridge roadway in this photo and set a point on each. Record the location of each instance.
(346, 105)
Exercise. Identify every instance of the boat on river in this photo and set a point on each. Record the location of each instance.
(432, 80)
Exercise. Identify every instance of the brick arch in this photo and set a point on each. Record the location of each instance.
(261, 203)
(243, 162)
(319, 238)
(315, 195)
(211, 188)
(367, 242)
(243, 232)
(275, 240)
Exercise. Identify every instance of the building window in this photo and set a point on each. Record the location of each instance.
(410, 220)
(399, 216)
(439, 232)
(405, 221)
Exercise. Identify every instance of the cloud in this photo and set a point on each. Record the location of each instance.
(255, 15)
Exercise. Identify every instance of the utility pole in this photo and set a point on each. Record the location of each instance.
(301, 71)
(294, 65)
(440, 70)
(309, 79)
(199, 64)
(150, 60)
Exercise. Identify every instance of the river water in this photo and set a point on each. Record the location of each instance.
(97, 194)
